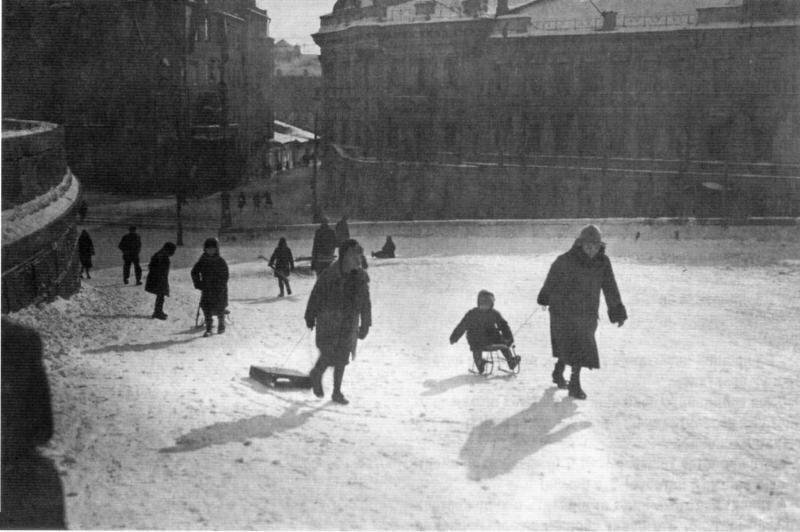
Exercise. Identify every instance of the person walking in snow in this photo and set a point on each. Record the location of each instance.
(572, 294)
(282, 264)
(85, 252)
(340, 308)
(324, 247)
(256, 201)
(485, 328)
(210, 276)
(158, 278)
(242, 202)
(131, 245)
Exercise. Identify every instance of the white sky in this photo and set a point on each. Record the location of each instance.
(296, 20)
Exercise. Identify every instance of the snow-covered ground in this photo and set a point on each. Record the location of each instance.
(692, 422)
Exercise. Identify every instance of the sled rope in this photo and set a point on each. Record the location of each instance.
(292, 350)
(526, 322)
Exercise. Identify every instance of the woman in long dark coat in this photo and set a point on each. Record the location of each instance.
(158, 278)
(282, 264)
(572, 293)
(85, 252)
(210, 276)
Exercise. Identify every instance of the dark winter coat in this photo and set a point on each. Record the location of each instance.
(324, 248)
(130, 245)
(158, 274)
(337, 302)
(342, 231)
(282, 261)
(483, 327)
(85, 249)
(387, 251)
(210, 276)
(572, 293)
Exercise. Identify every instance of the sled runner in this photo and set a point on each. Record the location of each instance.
(493, 359)
(280, 377)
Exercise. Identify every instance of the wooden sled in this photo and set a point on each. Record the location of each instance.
(280, 377)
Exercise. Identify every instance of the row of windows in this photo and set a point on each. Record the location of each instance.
(562, 133)
(768, 75)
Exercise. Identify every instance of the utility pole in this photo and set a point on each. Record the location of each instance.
(314, 203)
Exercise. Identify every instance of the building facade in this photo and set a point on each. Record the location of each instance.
(677, 86)
(150, 93)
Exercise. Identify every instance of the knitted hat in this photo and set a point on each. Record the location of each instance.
(211, 243)
(590, 235)
(484, 296)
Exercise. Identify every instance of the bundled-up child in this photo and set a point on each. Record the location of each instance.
(282, 263)
(485, 327)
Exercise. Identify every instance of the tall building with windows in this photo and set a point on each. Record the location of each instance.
(655, 84)
(149, 92)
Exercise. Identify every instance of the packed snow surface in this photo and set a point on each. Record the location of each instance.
(692, 422)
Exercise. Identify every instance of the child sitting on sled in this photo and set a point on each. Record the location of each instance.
(486, 327)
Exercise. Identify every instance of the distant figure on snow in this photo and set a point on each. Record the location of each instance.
(131, 245)
(210, 276)
(282, 264)
(340, 308)
(387, 251)
(256, 201)
(342, 231)
(324, 247)
(158, 278)
(242, 201)
(572, 293)
(85, 252)
(485, 328)
(267, 199)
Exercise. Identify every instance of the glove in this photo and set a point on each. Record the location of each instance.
(618, 314)
(310, 324)
(363, 331)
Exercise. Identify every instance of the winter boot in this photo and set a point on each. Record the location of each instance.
(575, 390)
(338, 375)
(316, 381)
(339, 398)
(558, 376)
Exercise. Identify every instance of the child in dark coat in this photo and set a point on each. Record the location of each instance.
(210, 276)
(485, 327)
(282, 264)
(157, 282)
(85, 252)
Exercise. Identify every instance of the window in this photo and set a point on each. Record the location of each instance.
(562, 126)
(451, 70)
(591, 78)
(619, 76)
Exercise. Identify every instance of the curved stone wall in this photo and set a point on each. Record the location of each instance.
(39, 195)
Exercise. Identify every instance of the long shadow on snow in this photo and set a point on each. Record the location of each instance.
(119, 316)
(267, 299)
(437, 387)
(262, 426)
(495, 449)
(121, 348)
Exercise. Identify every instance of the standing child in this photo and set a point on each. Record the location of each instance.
(282, 263)
(485, 327)
(572, 293)
(210, 276)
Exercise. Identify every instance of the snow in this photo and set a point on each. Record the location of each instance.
(692, 421)
(31, 216)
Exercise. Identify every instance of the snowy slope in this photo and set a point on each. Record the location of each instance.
(692, 421)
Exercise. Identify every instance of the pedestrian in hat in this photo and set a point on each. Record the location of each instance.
(157, 282)
(131, 245)
(340, 309)
(210, 276)
(572, 294)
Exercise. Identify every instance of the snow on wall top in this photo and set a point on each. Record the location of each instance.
(26, 219)
(18, 128)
